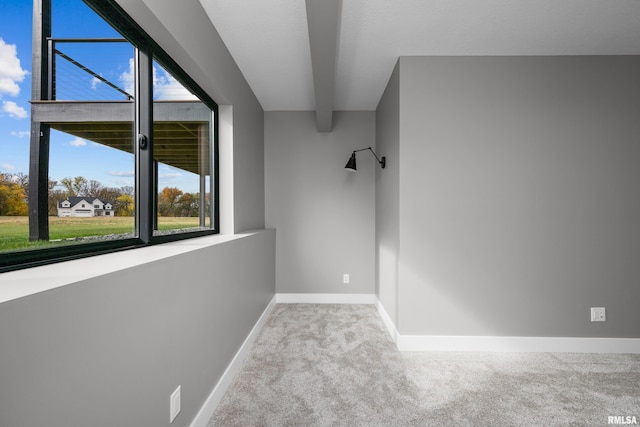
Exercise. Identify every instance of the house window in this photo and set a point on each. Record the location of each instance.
(99, 81)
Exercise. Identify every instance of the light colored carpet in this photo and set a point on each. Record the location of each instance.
(335, 365)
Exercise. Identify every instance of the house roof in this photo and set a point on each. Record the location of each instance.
(75, 200)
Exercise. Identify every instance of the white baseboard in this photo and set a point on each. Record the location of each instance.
(506, 344)
(517, 344)
(386, 319)
(206, 411)
(326, 298)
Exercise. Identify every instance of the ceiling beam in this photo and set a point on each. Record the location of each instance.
(323, 20)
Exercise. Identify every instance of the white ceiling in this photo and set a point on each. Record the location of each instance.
(269, 39)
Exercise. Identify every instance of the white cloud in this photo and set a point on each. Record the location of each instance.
(167, 88)
(123, 182)
(7, 167)
(78, 142)
(127, 80)
(169, 176)
(94, 83)
(14, 110)
(20, 134)
(121, 174)
(11, 73)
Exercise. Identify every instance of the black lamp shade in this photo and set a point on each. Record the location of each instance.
(351, 164)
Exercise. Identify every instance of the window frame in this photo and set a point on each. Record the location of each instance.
(146, 51)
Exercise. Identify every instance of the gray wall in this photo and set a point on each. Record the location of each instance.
(519, 199)
(109, 351)
(184, 30)
(324, 214)
(388, 196)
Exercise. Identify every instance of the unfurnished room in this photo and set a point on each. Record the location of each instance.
(319, 213)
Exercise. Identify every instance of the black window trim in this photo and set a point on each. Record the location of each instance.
(147, 50)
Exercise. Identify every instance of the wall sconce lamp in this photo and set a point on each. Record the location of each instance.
(351, 164)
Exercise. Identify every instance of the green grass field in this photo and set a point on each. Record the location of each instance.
(14, 230)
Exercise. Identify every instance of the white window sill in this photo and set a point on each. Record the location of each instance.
(29, 281)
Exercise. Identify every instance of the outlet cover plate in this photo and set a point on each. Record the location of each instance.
(598, 314)
(174, 404)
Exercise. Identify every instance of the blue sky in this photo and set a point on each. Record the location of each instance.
(69, 156)
(15, 85)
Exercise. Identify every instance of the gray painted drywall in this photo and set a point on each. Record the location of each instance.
(388, 196)
(110, 350)
(184, 30)
(325, 215)
(519, 198)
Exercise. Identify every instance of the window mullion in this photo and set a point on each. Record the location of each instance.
(213, 159)
(144, 145)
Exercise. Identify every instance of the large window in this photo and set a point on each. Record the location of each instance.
(120, 149)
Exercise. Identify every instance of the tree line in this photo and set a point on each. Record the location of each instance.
(14, 196)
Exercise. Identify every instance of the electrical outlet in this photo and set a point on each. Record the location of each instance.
(174, 404)
(598, 314)
(345, 278)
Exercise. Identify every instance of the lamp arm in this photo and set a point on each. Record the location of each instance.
(375, 155)
(382, 162)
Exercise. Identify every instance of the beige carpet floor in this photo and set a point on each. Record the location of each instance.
(335, 365)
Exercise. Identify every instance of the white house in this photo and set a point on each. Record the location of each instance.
(84, 207)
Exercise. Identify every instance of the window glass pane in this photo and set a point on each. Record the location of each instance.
(90, 69)
(181, 144)
(74, 19)
(91, 196)
(83, 122)
(67, 136)
(15, 93)
(92, 161)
